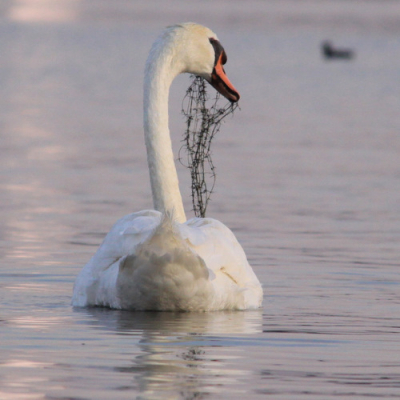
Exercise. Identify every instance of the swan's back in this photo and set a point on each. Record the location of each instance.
(196, 266)
(164, 274)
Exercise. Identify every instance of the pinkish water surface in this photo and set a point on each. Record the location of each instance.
(308, 178)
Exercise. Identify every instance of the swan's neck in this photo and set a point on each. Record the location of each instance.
(160, 72)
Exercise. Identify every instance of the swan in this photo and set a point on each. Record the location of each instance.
(156, 259)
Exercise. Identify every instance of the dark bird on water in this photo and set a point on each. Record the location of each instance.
(331, 53)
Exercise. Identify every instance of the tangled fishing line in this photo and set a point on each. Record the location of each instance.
(203, 121)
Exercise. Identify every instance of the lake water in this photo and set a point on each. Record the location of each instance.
(308, 178)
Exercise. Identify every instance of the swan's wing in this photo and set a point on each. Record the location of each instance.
(125, 236)
(100, 273)
(219, 248)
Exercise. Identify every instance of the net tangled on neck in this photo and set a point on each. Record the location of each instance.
(203, 121)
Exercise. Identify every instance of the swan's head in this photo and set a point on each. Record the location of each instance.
(201, 53)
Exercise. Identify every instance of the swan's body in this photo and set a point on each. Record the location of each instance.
(156, 260)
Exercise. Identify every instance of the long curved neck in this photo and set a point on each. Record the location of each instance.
(160, 72)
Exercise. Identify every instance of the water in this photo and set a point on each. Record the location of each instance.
(308, 177)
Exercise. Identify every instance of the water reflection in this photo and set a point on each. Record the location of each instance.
(42, 10)
(183, 354)
(154, 324)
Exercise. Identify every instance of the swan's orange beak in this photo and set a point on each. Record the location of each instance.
(220, 81)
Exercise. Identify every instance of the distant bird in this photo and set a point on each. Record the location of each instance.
(331, 53)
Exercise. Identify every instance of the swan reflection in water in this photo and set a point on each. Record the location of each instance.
(185, 354)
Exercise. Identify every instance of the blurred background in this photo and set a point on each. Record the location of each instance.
(308, 178)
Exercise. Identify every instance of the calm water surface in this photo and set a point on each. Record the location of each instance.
(308, 177)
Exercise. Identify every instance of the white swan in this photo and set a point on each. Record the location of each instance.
(157, 260)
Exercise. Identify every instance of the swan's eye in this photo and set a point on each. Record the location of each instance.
(219, 50)
(224, 57)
